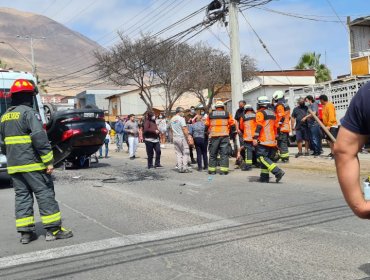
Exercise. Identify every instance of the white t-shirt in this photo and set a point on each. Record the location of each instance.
(177, 123)
(108, 127)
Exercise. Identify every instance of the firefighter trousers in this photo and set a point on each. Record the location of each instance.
(219, 146)
(249, 149)
(283, 142)
(264, 155)
(40, 185)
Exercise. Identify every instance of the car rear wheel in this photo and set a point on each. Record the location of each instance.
(49, 113)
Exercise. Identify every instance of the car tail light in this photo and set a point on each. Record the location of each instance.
(69, 133)
(104, 130)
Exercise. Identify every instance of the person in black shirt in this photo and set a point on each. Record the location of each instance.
(300, 128)
(352, 137)
(238, 115)
(240, 112)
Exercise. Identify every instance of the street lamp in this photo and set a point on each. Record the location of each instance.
(17, 51)
(32, 51)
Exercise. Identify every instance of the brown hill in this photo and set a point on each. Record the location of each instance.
(58, 51)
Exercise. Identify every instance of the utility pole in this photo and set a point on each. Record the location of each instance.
(32, 50)
(236, 68)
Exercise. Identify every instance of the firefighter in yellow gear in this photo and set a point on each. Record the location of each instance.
(30, 164)
(282, 112)
(219, 123)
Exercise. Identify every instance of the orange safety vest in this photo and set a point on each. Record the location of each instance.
(266, 127)
(283, 112)
(219, 123)
(248, 125)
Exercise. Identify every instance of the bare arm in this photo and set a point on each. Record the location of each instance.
(186, 131)
(292, 123)
(348, 169)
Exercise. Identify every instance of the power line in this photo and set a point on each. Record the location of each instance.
(296, 15)
(173, 40)
(155, 35)
(133, 25)
(335, 12)
(263, 45)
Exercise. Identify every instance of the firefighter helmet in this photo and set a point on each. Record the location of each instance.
(24, 86)
(219, 104)
(278, 95)
(248, 107)
(263, 101)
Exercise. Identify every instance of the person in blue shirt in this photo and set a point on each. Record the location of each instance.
(119, 127)
(353, 135)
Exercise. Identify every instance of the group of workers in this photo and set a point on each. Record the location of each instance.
(264, 133)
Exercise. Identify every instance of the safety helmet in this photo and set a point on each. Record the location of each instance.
(278, 95)
(23, 86)
(219, 104)
(248, 107)
(263, 101)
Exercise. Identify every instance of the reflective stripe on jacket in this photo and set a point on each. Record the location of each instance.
(24, 141)
(219, 123)
(248, 126)
(266, 127)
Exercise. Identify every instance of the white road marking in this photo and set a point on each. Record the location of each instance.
(89, 247)
(90, 219)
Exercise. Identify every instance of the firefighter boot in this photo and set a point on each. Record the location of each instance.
(26, 237)
(58, 233)
(279, 176)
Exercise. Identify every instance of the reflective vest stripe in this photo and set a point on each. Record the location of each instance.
(48, 157)
(51, 218)
(12, 140)
(25, 222)
(286, 125)
(219, 127)
(26, 168)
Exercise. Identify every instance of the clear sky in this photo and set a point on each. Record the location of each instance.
(286, 37)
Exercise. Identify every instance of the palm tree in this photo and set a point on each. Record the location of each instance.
(311, 60)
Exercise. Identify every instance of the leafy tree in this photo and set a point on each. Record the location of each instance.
(128, 63)
(311, 60)
(211, 70)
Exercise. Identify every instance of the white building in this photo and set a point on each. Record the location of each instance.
(129, 102)
(96, 97)
(267, 82)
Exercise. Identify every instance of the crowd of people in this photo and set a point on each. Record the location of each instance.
(257, 138)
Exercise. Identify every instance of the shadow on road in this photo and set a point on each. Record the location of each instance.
(365, 268)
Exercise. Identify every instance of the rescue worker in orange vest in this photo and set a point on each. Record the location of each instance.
(264, 140)
(219, 123)
(247, 124)
(282, 112)
(30, 164)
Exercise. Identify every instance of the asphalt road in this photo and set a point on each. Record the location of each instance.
(131, 223)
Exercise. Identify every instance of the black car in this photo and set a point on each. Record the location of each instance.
(75, 134)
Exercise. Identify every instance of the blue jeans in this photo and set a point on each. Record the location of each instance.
(315, 140)
(106, 143)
